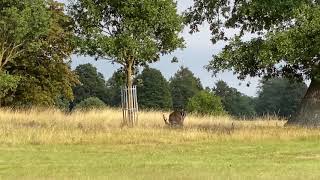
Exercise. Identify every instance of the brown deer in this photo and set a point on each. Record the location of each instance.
(176, 119)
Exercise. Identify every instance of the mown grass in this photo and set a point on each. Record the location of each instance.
(46, 144)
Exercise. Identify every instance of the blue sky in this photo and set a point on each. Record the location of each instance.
(195, 56)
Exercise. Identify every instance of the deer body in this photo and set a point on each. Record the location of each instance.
(176, 119)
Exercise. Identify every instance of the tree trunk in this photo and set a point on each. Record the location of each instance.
(308, 113)
(129, 122)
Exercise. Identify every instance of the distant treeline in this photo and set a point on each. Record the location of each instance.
(276, 96)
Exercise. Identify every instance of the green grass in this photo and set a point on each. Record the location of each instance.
(289, 159)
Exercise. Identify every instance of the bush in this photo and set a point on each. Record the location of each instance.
(90, 103)
(62, 104)
(205, 103)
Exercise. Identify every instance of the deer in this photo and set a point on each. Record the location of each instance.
(176, 119)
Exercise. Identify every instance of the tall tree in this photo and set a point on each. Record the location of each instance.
(234, 102)
(92, 84)
(184, 85)
(19, 26)
(279, 96)
(154, 92)
(43, 65)
(288, 43)
(128, 32)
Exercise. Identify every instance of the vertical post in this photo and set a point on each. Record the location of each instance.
(130, 106)
(126, 106)
(122, 106)
(136, 105)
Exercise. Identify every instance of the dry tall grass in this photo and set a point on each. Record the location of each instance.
(103, 127)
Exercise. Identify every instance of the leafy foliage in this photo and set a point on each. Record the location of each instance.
(234, 102)
(184, 85)
(43, 68)
(205, 103)
(7, 83)
(90, 103)
(256, 16)
(114, 85)
(129, 32)
(279, 96)
(21, 22)
(154, 93)
(92, 84)
(63, 104)
(287, 44)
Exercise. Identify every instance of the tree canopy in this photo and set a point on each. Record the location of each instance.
(256, 16)
(7, 83)
(21, 22)
(42, 66)
(19, 26)
(114, 84)
(130, 32)
(287, 44)
(184, 85)
(234, 102)
(154, 92)
(92, 84)
(288, 41)
(279, 96)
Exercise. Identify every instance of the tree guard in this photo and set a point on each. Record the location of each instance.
(129, 104)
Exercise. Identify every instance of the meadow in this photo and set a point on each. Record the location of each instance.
(49, 144)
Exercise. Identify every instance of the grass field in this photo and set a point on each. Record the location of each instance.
(48, 144)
